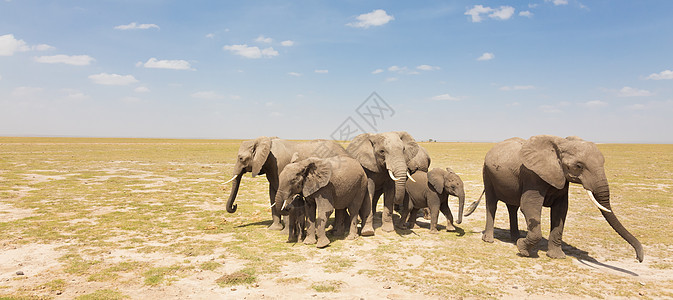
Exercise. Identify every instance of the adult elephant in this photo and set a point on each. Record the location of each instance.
(265, 155)
(536, 172)
(388, 158)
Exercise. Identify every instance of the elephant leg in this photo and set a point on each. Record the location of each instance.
(340, 217)
(324, 211)
(513, 222)
(310, 209)
(531, 206)
(446, 211)
(413, 215)
(387, 215)
(491, 207)
(404, 213)
(434, 214)
(353, 221)
(558, 218)
(375, 199)
(275, 214)
(367, 216)
(292, 225)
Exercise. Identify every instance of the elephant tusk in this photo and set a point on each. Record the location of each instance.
(232, 178)
(593, 199)
(284, 204)
(392, 176)
(410, 178)
(272, 205)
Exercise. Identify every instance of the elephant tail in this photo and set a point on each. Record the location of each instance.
(474, 205)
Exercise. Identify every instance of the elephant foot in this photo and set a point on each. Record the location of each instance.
(352, 236)
(434, 231)
(292, 239)
(367, 231)
(275, 226)
(556, 253)
(487, 238)
(450, 227)
(310, 240)
(523, 248)
(388, 227)
(322, 242)
(286, 230)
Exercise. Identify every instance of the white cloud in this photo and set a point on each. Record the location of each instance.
(207, 95)
(42, 47)
(476, 12)
(210, 35)
(251, 52)
(501, 13)
(628, 91)
(9, 45)
(526, 13)
(141, 89)
(396, 69)
(558, 2)
(263, 39)
(377, 71)
(666, 74)
(287, 43)
(486, 56)
(595, 104)
(391, 79)
(154, 63)
(74, 95)
(295, 74)
(112, 79)
(445, 97)
(135, 25)
(377, 17)
(517, 88)
(427, 68)
(322, 71)
(75, 60)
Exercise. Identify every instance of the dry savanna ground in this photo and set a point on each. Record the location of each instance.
(141, 218)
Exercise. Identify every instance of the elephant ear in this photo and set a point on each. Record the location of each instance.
(362, 150)
(317, 174)
(541, 155)
(415, 156)
(262, 148)
(295, 157)
(436, 180)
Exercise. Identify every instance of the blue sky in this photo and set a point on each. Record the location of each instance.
(448, 70)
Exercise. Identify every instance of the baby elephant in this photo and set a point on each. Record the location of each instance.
(432, 190)
(326, 184)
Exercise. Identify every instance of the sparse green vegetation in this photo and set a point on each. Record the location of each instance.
(245, 276)
(117, 216)
(329, 286)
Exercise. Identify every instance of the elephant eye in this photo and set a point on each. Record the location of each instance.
(579, 166)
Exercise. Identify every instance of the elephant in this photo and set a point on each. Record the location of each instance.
(297, 220)
(432, 190)
(267, 155)
(388, 159)
(533, 173)
(326, 184)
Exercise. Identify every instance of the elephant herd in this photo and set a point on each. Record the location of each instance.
(308, 181)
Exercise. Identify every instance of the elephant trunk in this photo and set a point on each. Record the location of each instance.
(282, 203)
(461, 204)
(602, 195)
(400, 172)
(239, 171)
